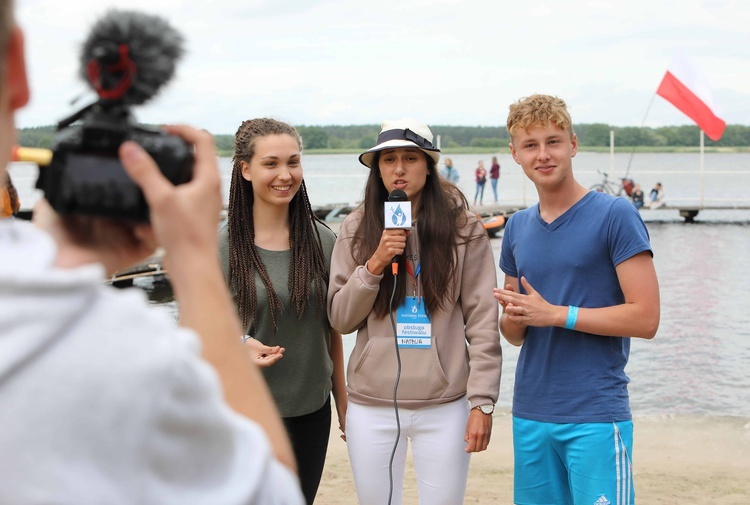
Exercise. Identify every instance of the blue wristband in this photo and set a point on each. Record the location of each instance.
(570, 323)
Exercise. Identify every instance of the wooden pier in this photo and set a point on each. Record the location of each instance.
(689, 212)
(151, 267)
(336, 212)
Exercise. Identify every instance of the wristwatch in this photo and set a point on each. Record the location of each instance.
(486, 409)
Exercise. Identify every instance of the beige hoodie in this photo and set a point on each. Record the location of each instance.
(449, 369)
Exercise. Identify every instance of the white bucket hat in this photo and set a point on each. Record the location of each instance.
(402, 133)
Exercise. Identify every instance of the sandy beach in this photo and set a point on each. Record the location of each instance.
(677, 460)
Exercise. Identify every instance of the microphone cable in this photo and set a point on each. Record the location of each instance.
(394, 267)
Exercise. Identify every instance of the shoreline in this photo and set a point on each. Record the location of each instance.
(504, 150)
(690, 460)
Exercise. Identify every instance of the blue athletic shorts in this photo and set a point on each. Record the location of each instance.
(566, 464)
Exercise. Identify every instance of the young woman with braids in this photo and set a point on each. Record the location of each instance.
(444, 295)
(276, 255)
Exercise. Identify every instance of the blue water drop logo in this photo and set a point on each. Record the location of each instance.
(398, 216)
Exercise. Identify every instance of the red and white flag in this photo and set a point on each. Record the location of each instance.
(688, 90)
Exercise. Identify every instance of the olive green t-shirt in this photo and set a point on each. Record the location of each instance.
(300, 382)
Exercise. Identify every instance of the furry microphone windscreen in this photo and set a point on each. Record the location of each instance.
(130, 55)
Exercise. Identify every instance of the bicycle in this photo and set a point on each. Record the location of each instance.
(623, 188)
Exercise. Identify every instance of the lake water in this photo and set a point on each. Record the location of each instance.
(339, 178)
(699, 361)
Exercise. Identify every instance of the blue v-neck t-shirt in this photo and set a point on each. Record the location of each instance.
(568, 376)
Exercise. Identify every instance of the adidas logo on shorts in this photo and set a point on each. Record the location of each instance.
(602, 501)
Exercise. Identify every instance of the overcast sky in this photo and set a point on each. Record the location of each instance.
(457, 62)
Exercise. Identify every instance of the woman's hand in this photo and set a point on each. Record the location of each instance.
(341, 414)
(478, 431)
(263, 355)
(392, 243)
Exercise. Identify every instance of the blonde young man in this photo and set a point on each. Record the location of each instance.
(102, 399)
(579, 283)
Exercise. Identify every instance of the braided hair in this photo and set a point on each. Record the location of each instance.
(307, 267)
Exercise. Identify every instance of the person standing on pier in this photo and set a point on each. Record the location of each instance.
(494, 175)
(450, 376)
(579, 283)
(451, 172)
(276, 255)
(480, 175)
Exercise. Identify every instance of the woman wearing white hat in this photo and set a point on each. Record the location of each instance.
(443, 293)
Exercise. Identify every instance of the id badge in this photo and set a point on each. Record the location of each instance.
(413, 327)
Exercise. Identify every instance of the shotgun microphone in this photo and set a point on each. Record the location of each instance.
(397, 216)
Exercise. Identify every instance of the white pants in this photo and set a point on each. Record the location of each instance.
(437, 434)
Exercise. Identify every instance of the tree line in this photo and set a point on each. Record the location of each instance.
(356, 137)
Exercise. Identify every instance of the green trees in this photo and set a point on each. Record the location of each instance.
(39, 136)
(224, 143)
(358, 137)
(595, 134)
(313, 137)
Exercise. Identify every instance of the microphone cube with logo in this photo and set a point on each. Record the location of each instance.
(397, 211)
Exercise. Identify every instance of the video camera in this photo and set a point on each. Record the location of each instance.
(126, 58)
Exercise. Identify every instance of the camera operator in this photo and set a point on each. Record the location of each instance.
(102, 399)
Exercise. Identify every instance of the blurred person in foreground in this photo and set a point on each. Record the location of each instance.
(9, 202)
(579, 283)
(103, 399)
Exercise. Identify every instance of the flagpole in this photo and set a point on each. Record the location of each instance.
(632, 152)
(702, 165)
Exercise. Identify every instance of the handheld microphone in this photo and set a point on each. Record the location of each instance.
(397, 216)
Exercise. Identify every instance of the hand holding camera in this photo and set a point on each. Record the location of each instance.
(184, 218)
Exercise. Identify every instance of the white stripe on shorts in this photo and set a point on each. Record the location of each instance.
(622, 468)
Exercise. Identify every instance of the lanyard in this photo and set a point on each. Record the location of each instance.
(414, 272)
(411, 270)
(415, 275)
